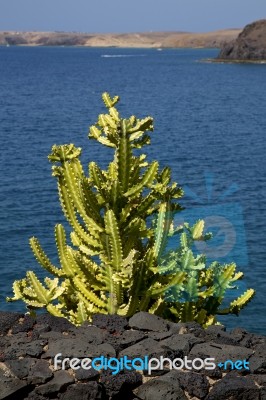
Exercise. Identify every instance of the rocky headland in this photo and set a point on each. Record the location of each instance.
(28, 346)
(249, 46)
(134, 40)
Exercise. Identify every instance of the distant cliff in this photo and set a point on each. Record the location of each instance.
(250, 45)
(152, 39)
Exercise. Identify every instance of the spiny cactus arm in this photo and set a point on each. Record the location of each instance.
(96, 134)
(64, 153)
(33, 293)
(150, 263)
(136, 289)
(86, 268)
(88, 294)
(202, 316)
(83, 270)
(107, 123)
(62, 251)
(43, 259)
(154, 308)
(236, 305)
(190, 291)
(197, 230)
(138, 144)
(108, 101)
(81, 314)
(109, 286)
(98, 180)
(55, 310)
(146, 206)
(86, 237)
(91, 308)
(73, 185)
(132, 234)
(242, 301)
(237, 276)
(90, 202)
(188, 311)
(115, 195)
(205, 319)
(124, 158)
(136, 165)
(187, 260)
(146, 181)
(129, 309)
(164, 221)
(176, 281)
(223, 279)
(165, 176)
(141, 125)
(112, 229)
(169, 267)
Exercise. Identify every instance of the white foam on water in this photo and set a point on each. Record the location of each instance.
(122, 55)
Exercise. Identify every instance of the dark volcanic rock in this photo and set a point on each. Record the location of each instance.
(221, 353)
(21, 367)
(250, 45)
(60, 381)
(7, 320)
(123, 383)
(195, 384)
(78, 348)
(11, 387)
(40, 372)
(233, 387)
(25, 325)
(149, 347)
(112, 323)
(86, 374)
(57, 324)
(28, 346)
(128, 338)
(165, 387)
(150, 322)
(85, 391)
(181, 343)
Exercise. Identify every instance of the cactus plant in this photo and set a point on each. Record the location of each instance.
(121, 219)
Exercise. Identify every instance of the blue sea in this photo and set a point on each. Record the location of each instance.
(210, 128)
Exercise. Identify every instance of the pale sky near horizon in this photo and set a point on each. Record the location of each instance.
(128, 16)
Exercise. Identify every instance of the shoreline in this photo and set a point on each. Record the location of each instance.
(228, 61)
(129, 40)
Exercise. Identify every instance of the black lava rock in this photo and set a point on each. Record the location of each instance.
(27, 368)
(164, 387)
(83, 391)
(120, 384)
(149, 322)
(233, 387)
(7, 320)
(112, 323)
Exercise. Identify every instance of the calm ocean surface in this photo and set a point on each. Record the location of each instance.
(210, 127)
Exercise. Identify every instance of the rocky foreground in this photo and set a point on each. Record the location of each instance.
(250, 45)
(137, 40)
(28, 347)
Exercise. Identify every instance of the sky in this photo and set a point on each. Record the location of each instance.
(112, 16)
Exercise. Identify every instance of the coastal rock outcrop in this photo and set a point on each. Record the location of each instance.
(250, 45)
